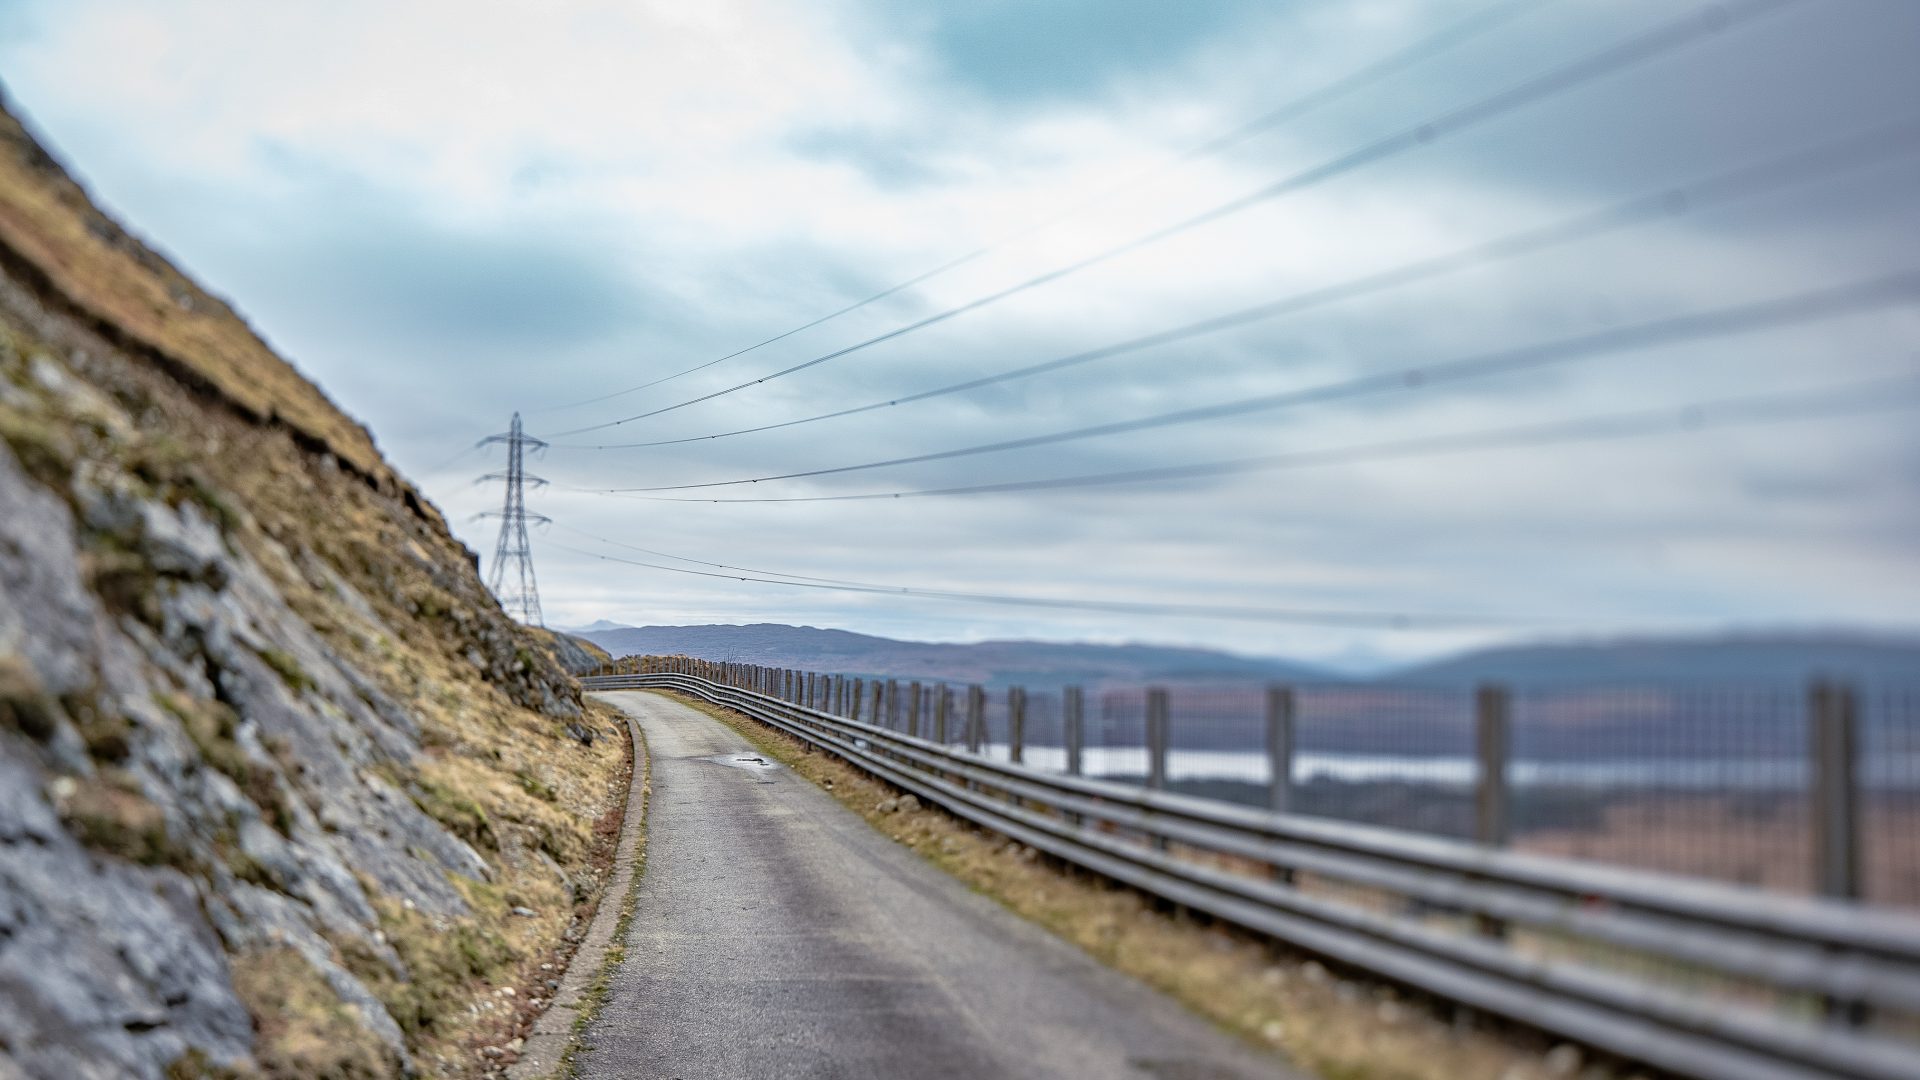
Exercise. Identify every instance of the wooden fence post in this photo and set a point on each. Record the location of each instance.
(1157, 738)
(976, 717)
(1833, 721)
(913, 710)
(1833, 715)
(1016, 724)
(1280, 716)
(942, 706)
(1493, 737)
(1073, 724)
(1279, 748)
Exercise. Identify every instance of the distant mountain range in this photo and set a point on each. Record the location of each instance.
(1783, 659)
(1670, 662)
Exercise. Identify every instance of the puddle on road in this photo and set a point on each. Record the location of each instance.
(749, 762)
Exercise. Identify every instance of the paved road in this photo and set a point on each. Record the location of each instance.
(776, 934)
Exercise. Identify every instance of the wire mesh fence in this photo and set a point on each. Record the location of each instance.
(1402, 758)
(1731, 784)
(1890, 794)
(1708, 782)
(1726, 783)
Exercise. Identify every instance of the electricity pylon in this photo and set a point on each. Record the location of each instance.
(519, 596)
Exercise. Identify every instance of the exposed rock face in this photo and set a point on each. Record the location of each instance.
(578, 655)
(274, 769)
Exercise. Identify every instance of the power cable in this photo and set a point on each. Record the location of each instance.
(1745, 318)
(1458, 33)
(1748, 181)
(715, 565)
(1639, 49)
(1752, 410)
(1374, 619)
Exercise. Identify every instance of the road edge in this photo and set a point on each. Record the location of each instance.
(549, 1048)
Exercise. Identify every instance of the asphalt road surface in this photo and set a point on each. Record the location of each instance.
(776, 934)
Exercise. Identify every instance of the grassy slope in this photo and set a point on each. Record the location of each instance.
(49, 226)
(194, 407)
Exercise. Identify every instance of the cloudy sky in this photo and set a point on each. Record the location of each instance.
(448, 211)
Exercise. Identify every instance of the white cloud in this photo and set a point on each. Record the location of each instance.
(696, 176)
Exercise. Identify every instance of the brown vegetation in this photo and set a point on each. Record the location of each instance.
(117, 370)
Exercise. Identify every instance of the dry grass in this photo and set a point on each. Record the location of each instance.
(366, 565)
(303, 1030)
(47, 221)
(1338, 1027)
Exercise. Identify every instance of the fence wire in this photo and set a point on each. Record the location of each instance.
(1711, 782)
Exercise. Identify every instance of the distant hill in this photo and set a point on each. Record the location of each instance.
(1034, 664)
(1669, 662)
(1783, 659)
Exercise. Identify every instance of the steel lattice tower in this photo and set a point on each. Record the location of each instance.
(517, 592)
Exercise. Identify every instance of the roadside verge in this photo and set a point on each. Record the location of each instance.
(548, 1051)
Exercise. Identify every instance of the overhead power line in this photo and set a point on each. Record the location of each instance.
(1317, 617)
(1748, 181)
(704, 562)
(1451, 36)
(1784, 311)
(1639, 49)
(1852, 398)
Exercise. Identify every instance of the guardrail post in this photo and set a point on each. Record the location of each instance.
(1157, 738)
(1073, 724)
(1016, 724)
(976, 717)
(913, 710)
(1493, 736)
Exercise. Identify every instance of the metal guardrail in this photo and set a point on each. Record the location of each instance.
(1493, 930)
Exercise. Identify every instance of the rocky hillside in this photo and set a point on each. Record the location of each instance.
(282, 792)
